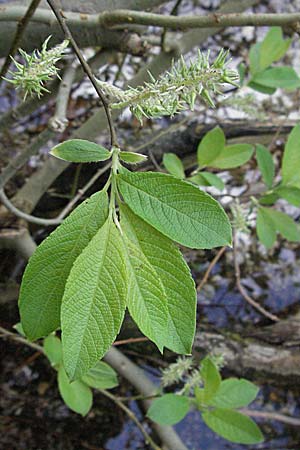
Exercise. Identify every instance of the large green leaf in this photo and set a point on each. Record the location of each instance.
(76, 395)
(266, 164)
(234, 393)
(265, 228)
(94, 301)
(81, 151)
(175, 276)
(278, 77)
(273, 47)
(210, 146)
(168, 409)
(176, 208)
(146, 296)
(101, 376)
(233, 426)
(45, 276)
(291, 159)
(233, 156)
(173, 165)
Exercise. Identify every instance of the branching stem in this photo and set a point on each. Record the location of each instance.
(62, 21)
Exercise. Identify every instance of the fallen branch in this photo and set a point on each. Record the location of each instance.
(60, 121)
(130, 17)
(141, 382)
(132, 416)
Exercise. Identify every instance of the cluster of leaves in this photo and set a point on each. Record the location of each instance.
(38, 68)
(270, 221)
(214, 153)
(176, 90)
(94, 265)
(78, 395)
(264, 77)
(217, 401)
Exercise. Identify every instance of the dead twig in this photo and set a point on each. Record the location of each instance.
(243, 291)
(210, 268)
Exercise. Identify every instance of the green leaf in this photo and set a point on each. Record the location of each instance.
(132, 157)
(265, 228)
(269, 221)
(101, 376)
(173, 165)
(199, 397)
(266, 164)
(175, 276)
(254, 58)
(291, 159)
(94, 301)
(268, 199)
(76, 395)
(168, 409)
(290, 194)
(53, 350)
(232, 156)
(278, 77)
(233, 426)
(45, 276)
(234, 393)
(211, 378)
(146, 296)
(210, 146)
(260, 88)
(176, 208)
(284, 224)
(19, 328)
(272, 48)
(241, 68)
(80, 151)
(208, 179)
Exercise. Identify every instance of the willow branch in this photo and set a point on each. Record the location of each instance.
(132, 416)
(295, 421)
(136, 376)
(50, 222)
(29, 218)
(15, 337)
(63, 24)
(122, 17)
(111, 18)
(22, 24)
(59, 121)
